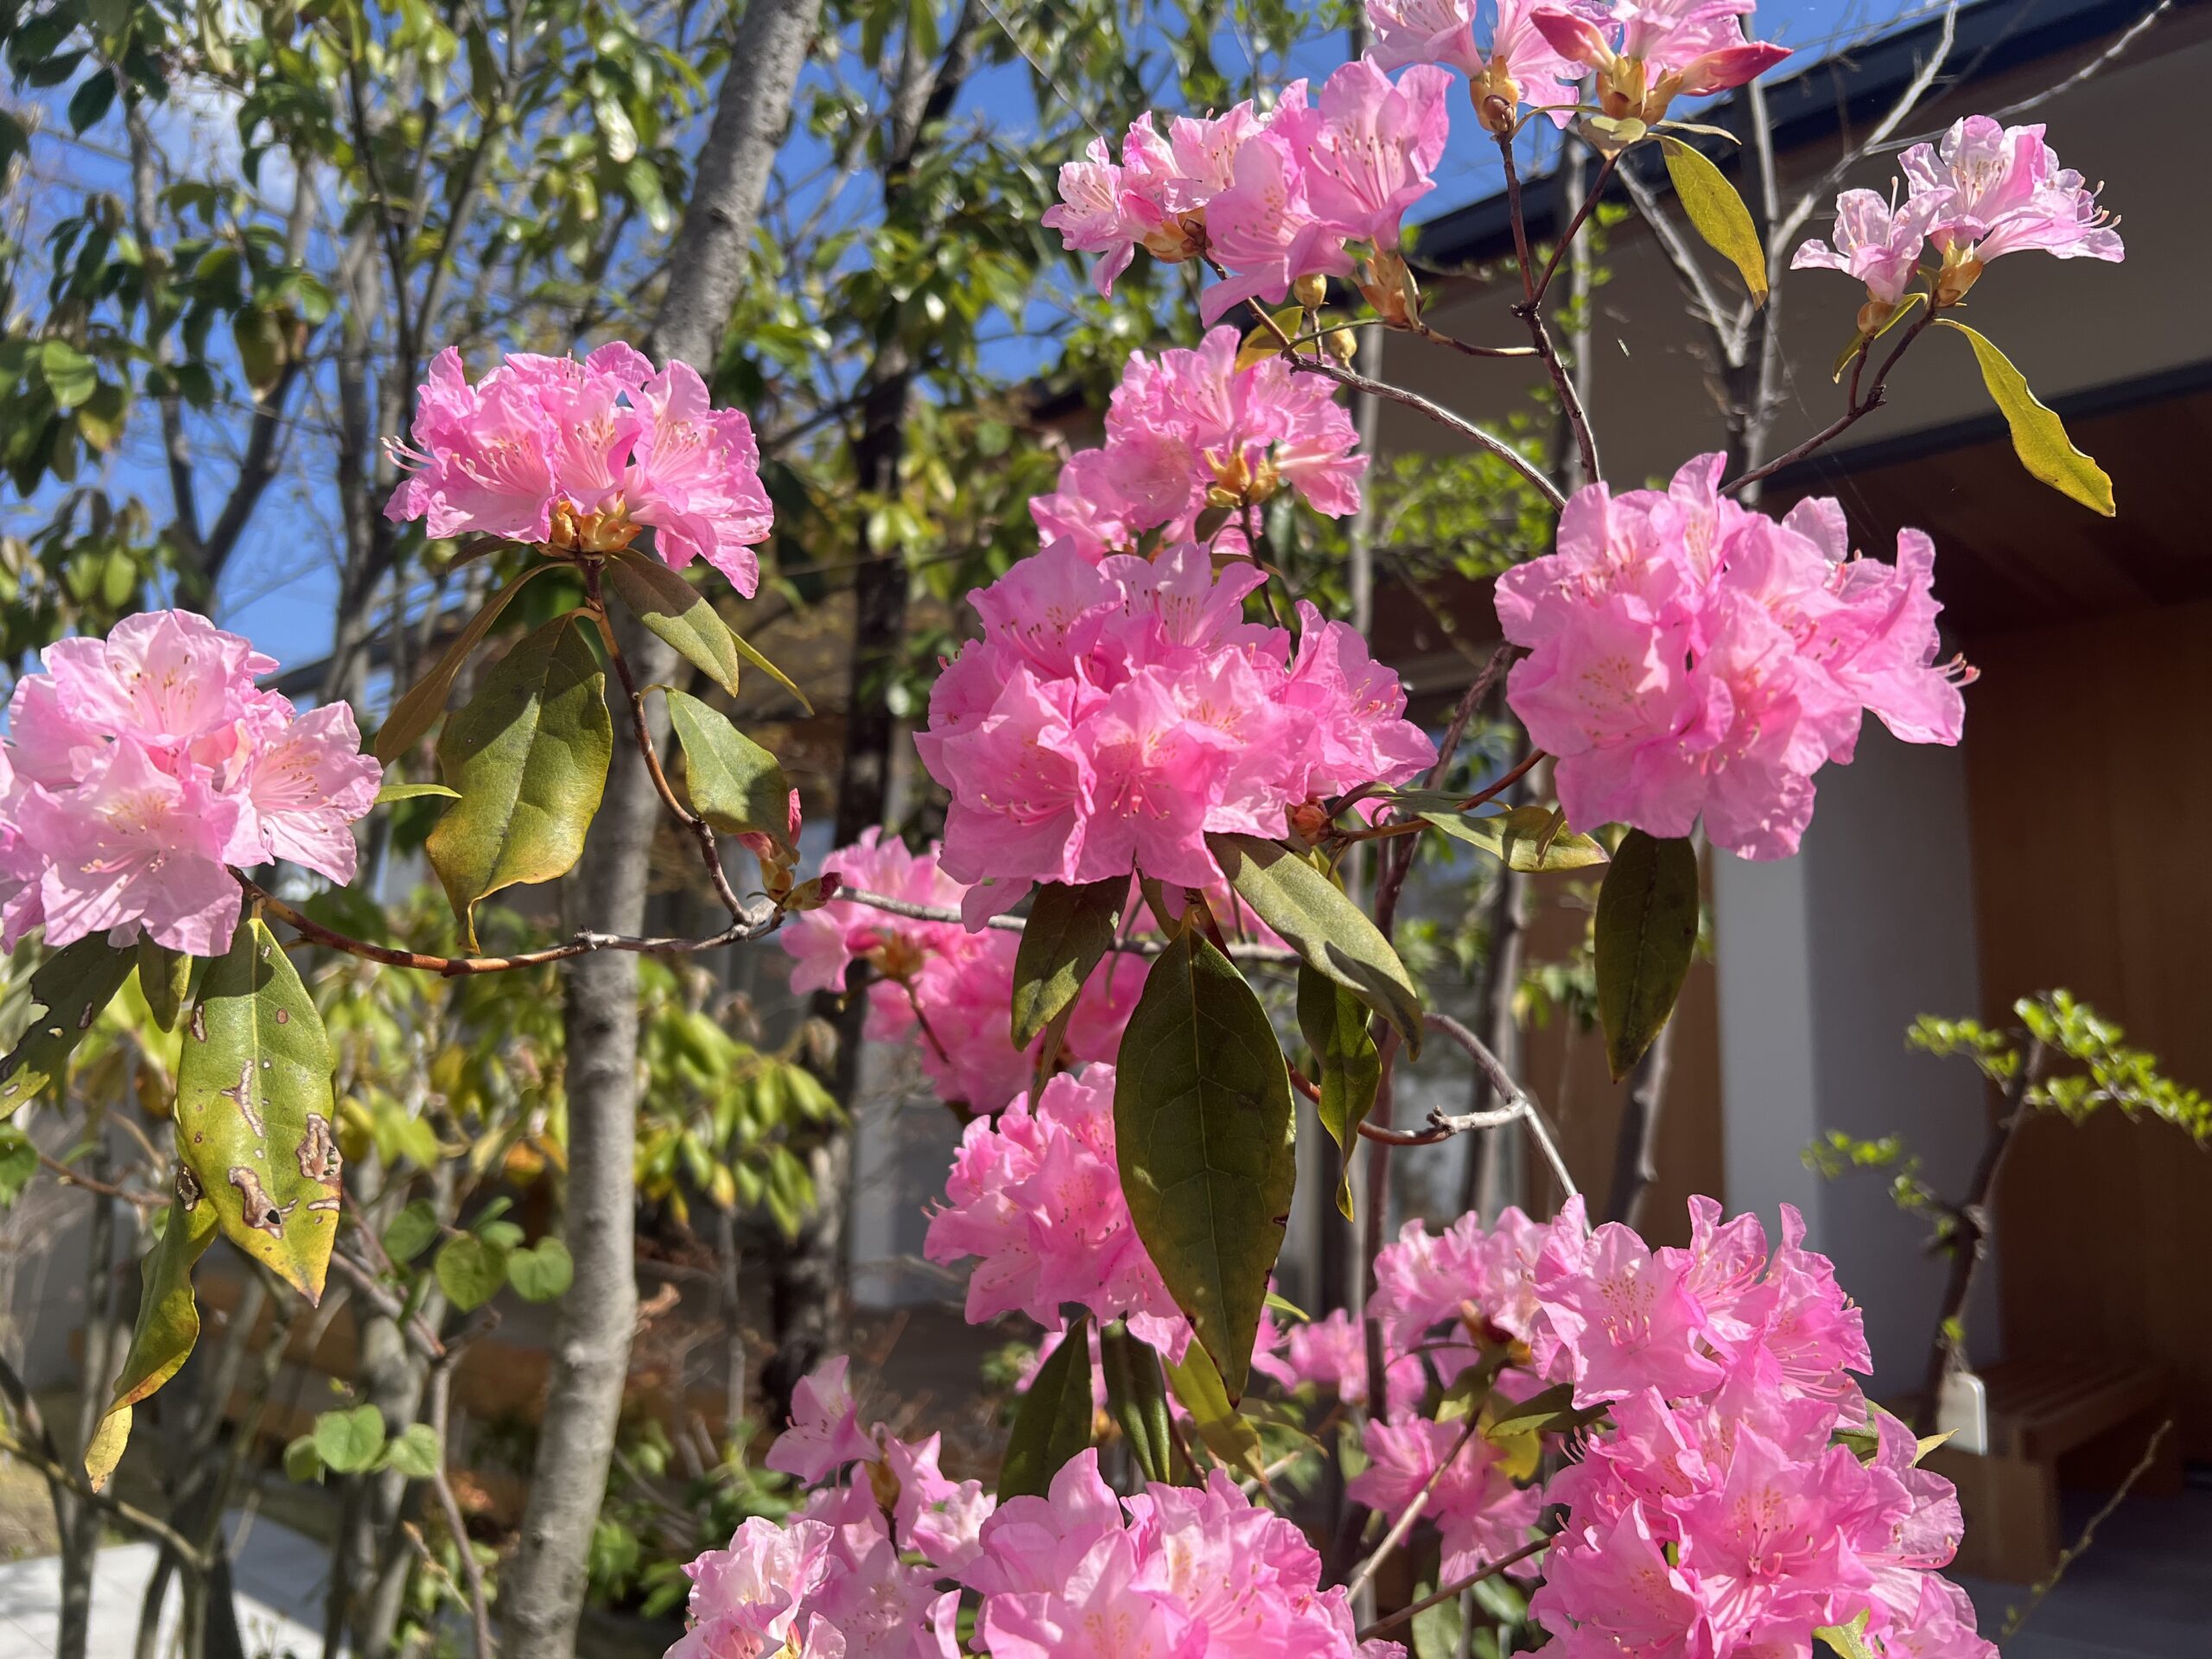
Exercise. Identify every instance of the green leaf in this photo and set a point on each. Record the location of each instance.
(70, 988)
(471, 1270)
(1069, 931)
(392, 793)
(92, 100)
(412, 1231)
(1333, 1021)
(254, 1119)
(18, 1163)
(679, 613)
(302, 1463)
(1053, 1423)
(69, 374)
(543, 1273)
(1136, 1396)
(1203, 1126)
(1223, 1430)
(1848, 1640)
(735, 785)
(1329, 933)
(1646, 933)
(166, 1328)
(1718, 212)
(164, 975)
(414, 1453)
(1550, 1411)
(2039, 436)
(259, 338)
(1529, 838)
(1267, 340)
(753, 657)
(416, 712)
(348, 1441)
(528, 754)
(1436, 1630)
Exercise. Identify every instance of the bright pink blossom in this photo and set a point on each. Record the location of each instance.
(1035, 1198)
(1876, 240)
(143, 768)
(581, 455)
(1331, 1352)
(824, 1432)
(1647, 53)
(1999, 189)
(1691, 657)
(1520, 66)
(1482, 1515)
(1111, 716)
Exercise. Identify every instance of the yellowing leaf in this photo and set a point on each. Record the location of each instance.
(1718, 212)
(1266, 341)
(167, 1329)
(2039, 436)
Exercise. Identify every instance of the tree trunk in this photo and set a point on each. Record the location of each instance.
(542, 1590)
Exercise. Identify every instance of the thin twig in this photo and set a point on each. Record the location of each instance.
(1442, 417)
(1412, 1512)
(472, 1570)
(914, 912)
(2018, 1616)
(1531, 311)
(1857, 407)
(1458, 1586)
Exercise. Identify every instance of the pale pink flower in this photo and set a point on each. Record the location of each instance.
(1106, 209)
(1876, 240)
(482, 456)
(1331, 1353)
(825, 1430)
(1520, 66)
(695, 478)
(1647, 53)
(1482, 1514)
(305, 786)
(1999, 189)
(745, 1600)
(1375, 146)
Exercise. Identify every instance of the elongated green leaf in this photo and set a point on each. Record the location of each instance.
(2039, 436)
(1333, 1021)
(166, 1328)
(529, 755)
(392, 793)
(1646, 931)
(1718, 212)
(1223, 1430)
(163, 977)
(1054, 1421)
(1203, 1126)
(679, 613)
(70, 988)
(745, 649)
(1528, 838)
(1070, 929)
(1136, 1395)
(1329, 931)
(253, 1110)
(736, 785)
(1551, 1411)
(416, 712)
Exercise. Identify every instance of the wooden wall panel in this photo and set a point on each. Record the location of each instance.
(2089, 767)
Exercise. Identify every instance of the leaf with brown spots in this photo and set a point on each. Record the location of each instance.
(254, 1081)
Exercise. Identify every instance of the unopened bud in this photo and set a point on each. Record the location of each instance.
(1953, 281)
(1872, 315)
(1342, 344)
(1311, 291)
(1308, 821)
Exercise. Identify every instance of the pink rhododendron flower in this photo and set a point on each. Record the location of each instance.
(2000, 189)
(1110, 716)
(1332, 1353)
(824, 1432)
(939, 988)
(1877, 240)
(581, 456)
(142, 768)
(1520, 66)
(1190, 429)
(1035, 1198)
(1482, 1515)
(1647, 53)
(746, 1600)
(1691, 657)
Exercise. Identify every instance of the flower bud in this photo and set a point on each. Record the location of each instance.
(1311, 291)
(1953, 281)
(1342, 344)
(1308, 821)
(1872, 315)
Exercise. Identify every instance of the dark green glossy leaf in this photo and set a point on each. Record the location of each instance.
(679, 613)
(1054, 1421)
(1203, 1126)
(1069, 930)
(2039, 436)
(1136, 1395)
(254, 1123)
(70, 988)
(1713, 206)
(736, 785)
(1333, 1021)
(164, 976)
(1646, 932)
(528, 754)
(167, 1329)
(416, 712)
(1329, 931)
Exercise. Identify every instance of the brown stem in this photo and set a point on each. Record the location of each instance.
(1412, 1512)
(1531, 311)
(1574, 226)
(1856, 409)
(472, 1570)
(1442, 417)
(1458, 1586)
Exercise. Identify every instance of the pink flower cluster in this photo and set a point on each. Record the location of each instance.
(1270, 197)
(856, 1573)
(1189, 430)
(1035, 1196)
(1521, 64)
(1647, 53)
(1112, 714)
(583, 456)
(142, 768)
(1171, 1573)
(1689, 656)
(1987, 191)
(1331, 1353)
(947, 990)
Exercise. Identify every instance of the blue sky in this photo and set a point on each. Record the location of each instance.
(283, 582)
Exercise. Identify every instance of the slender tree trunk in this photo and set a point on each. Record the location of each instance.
(542, 1595)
